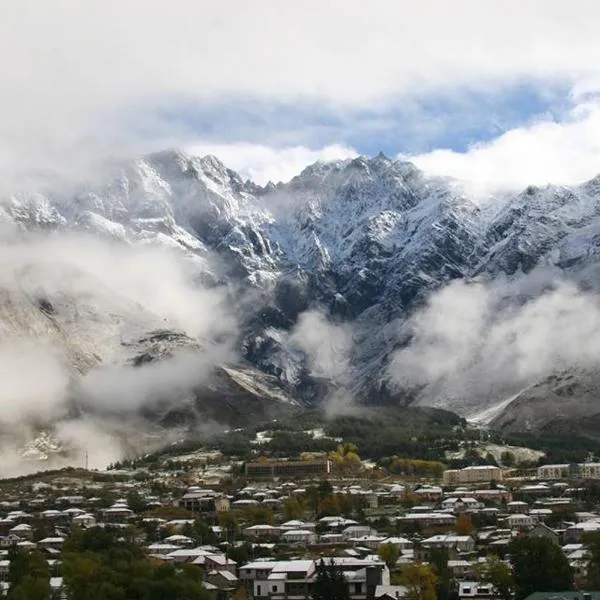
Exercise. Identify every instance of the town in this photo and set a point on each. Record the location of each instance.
(302, 527)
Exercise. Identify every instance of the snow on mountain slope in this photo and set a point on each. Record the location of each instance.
(365, 240)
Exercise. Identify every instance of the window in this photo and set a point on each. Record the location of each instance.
(258, 591)
(274, 588)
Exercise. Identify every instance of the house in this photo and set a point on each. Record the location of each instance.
(204, 501)
(460, 504)
(219, 562)
(55, 543)
(293, 578)
(356, 531)
(461, 569)
(428, 519)
(299, 537)
(182, 541)
(543, 531)
(84, 520)
(519, 521)
(258, 531)
(224, 581)
(455, 544)
(475, 589)
(574, 533)
(390, 592)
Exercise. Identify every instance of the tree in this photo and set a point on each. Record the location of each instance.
(229, 523)
(539, 565)
(293, 508)
(464, 524)
(499, 574)
(420, 581)
(28, 575)
(445, 585)
(329, 507)
(592, 543)
(389, 554)
(136, 503)
(345, 458)
(330, 583)
(508, 459)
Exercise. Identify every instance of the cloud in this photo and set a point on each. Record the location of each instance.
(262, 164)
(326, 344)
(563, 152)
(474, 342)
(126, 389)
(37, 397)
(75, 311)
(83, 82)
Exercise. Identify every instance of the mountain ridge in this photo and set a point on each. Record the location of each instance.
(365, 242)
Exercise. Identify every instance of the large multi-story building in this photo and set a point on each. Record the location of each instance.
(288, 469)
(589, 470)
(561, 471)
(475, 474)
(585, 470)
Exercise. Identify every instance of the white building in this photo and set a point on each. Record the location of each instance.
(473, 474)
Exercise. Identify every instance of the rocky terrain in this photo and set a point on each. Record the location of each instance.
(360, 246)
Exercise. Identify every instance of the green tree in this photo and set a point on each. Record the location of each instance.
(420, 581)
(445, 585)
(136, 502)
(500, 575)
(539, 565)
(592, 543)
(28, 575)
(293, 508)
(330, 583)
(389, 554)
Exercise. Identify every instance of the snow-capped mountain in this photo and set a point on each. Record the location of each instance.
(365, 241)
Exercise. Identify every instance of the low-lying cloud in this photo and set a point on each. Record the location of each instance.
(476, 342)
(76, 311)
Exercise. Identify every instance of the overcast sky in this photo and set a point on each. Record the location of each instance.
(499, 93)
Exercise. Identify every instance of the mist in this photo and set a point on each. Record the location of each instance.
(477, 342)
(75, 312)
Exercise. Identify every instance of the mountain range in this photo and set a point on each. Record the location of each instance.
(360, 281)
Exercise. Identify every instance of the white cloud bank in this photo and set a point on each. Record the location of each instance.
(74, 73)
(473, 343)
(563, 152)
(262, 164)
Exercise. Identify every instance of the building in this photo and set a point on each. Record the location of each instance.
(589, 470)
(562, 471)
(475, 589)
(288, 469)
(204, 501)
(456, 545)
(474, 474)
(390, 592)
(274, 580)
(519, 521)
